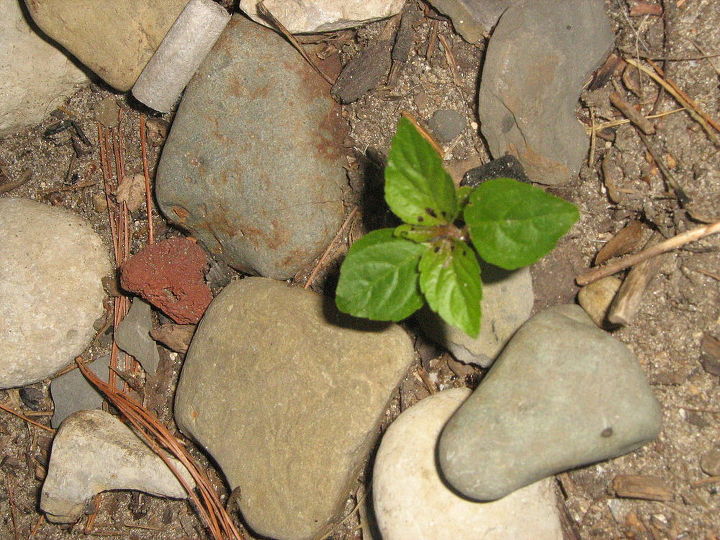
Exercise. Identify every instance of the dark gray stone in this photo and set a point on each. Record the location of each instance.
(447, 124)
(504, 167)
(288, 395)
(133, 335)
(537, 61)
(472, 19)
(562, 394)
(253, 163)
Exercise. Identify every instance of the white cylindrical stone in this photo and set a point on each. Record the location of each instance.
(180, 54)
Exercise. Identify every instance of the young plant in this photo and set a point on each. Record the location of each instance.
(390, 273)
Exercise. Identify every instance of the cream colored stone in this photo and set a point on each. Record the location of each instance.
(596, 298)
(115, 39)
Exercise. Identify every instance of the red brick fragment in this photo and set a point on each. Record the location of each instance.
(169, 275)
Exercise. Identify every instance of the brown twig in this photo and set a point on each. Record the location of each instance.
(706, 481)
(38, 524)
(159, 438)
(11, 503)
(623, 121)
(632, 114)
(693, 109)
(74, 187)
(146, 174)
(669, 177)
(264, 12)
(432, 40)
(452, 64)
(23, 417)
(9, 186)
(663, 247)
(324, 256)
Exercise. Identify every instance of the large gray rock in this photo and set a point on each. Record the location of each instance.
(412, 502)
(528, 94)
(114, 38)
(51, 267)
(287, 395)
(253, 163)
(506, 304)
(93, 451)
(562, 394)
(300, 16)
(473, 19)
(36, 76)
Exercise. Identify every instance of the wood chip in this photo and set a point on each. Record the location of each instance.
(176, 337)
(650, 488)
(629, 239)
(710, 358)
(640, 9)
(632, 114)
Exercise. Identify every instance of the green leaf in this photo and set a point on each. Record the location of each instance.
(417, 188)
(513, 224)
(379, 278)
(450, 280)
(416, 233)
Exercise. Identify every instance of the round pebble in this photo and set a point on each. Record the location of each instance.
(51, 266)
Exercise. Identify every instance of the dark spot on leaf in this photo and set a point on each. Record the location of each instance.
(436, 249)
(431, 212)
(420, 219)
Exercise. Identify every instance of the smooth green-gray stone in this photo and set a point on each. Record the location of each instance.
(562, 394)
(253, 165)
(287, 395)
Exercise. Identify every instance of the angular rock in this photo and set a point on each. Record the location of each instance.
(506, 304)
(472, 19)
(115, 39)
(412, 502)
(133, 336)
(528, 95)
(289, 411)
(252, 165)
(37, 77)
(93, 451)
(596, 298)
(51, 267)
(169, 275)
(303, 16)
(562, 394)
(72, 392)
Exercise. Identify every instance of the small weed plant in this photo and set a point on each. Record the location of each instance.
(433, 256)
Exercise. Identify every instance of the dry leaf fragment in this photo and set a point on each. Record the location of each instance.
(131, 191)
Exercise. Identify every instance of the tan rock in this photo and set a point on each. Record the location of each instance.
(114, 39)
(596, 298)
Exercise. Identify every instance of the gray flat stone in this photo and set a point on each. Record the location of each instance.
(528, 94)
(133, 335)
(51, 267)
(253, 164)
(71, 392)
(562, 394)
(472, 19)
(506, 304)
(93, 451)
(447, 124)
(287, 395)
(412, 502)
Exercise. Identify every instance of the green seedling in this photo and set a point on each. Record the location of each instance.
(433, 256)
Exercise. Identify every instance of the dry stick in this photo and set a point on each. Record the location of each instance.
(146, 174)
(320, 263)
(153, 432)
(672, 182)
(23, 417)
(629, 297)
(36, 527)
(671, 243)
(9, 186)
(632, 114)
(265, 13)
(452, 64)
(705, 481)
(623, 121)
(593, 137)
(11, 503)
(699, 116)
(432, 40)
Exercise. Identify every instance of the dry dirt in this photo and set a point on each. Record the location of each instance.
(680, 306)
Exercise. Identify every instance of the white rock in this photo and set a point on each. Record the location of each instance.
(506, 304)
(301, 16)
(93, 451)
(412, 502)
(51, 266)
(35, 77)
